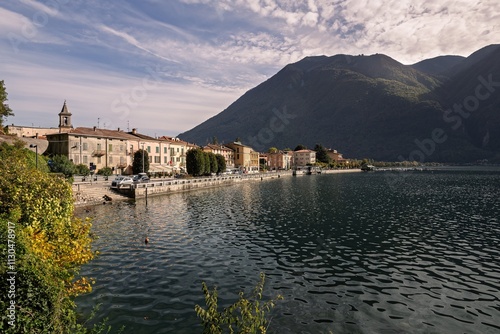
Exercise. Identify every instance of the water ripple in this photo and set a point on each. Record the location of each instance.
(349, 254)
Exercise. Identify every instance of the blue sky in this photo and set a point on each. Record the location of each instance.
(166, 66)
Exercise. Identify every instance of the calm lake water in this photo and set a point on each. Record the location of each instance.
(378, 252)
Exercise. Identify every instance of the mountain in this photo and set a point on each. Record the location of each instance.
(439, 65)
(368, 106)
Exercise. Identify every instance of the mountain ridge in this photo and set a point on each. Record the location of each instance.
(364, 106)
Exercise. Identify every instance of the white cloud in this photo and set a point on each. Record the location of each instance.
(209, 51)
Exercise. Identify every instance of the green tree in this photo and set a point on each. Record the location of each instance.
(272, 150)
(195, 162)
(5, 110)
(214, 167)
(105, 171)
(322, 154)
(82, 169)
(140, 163)
(207, 163)
(300, 147)
(221, 163)
(51, 245)
(61, 164)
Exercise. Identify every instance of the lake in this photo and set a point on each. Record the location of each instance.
(375, 252)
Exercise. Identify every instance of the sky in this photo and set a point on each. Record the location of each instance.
(164, 67)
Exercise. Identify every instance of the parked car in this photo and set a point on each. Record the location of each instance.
(141, 178)
(121, 181)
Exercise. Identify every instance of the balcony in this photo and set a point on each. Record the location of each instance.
(98, 153)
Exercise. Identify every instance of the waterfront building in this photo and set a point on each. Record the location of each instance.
(279, 160)
(245, 157)
(225, 151)
(304, 157)
(335, 156)
(96, 148)
(176, 153)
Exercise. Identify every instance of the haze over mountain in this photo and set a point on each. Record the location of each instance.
(441, 109)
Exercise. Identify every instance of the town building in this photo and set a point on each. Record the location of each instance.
(177, 153)
(304, 158)
(335, 156)
(225, 151)
(279, 160)
(246, 159)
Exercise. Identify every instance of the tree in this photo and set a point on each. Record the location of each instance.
(207, 163)
(82, 169)
(5, 110)
(139, 165)
(215, 141)
(213, 163)
(300, 147)
(221, 163)
(105, 171)
(51, 244)
(195, 162)
(322, 154)
(61, 164)
(272, 150)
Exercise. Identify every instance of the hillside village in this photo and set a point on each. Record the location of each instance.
(99, 148)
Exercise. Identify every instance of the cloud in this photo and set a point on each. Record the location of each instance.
(206, 53)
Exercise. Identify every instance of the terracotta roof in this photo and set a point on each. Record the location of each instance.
(217, 147)
(95, 132)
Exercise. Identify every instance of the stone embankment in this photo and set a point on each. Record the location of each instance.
(87, 193)
(92, 193)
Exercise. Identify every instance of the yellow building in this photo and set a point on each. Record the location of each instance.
(245, 158)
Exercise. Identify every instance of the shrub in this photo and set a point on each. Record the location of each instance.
(50, 246)
(244, 316)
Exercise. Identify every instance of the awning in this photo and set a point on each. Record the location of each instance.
(159, 169)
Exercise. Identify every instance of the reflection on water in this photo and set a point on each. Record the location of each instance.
(349, 253)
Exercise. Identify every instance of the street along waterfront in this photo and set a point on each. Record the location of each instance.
(360, 252)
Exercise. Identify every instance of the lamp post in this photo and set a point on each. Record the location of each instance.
(36, 152)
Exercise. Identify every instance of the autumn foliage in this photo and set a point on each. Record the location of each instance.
(51, 245)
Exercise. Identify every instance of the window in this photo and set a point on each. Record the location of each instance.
(85, 159)
(98, 146)
(165, 160)
(110, 159)
(121, 148)
(149, 149)
(77, 161)
(85, 146)
(172, 151)
(182, 150)
(165, 150)
(98, 160)
(150, 159)
(157, 149)
(157, 159)
(110, 147)
(177, 150)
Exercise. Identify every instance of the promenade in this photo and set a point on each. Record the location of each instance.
(93, 192)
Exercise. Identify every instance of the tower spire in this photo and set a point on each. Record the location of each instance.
(65, 118)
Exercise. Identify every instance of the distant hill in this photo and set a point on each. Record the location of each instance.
(368, 106)
(438, 65)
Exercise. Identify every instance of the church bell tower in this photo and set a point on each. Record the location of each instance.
(64, 119)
